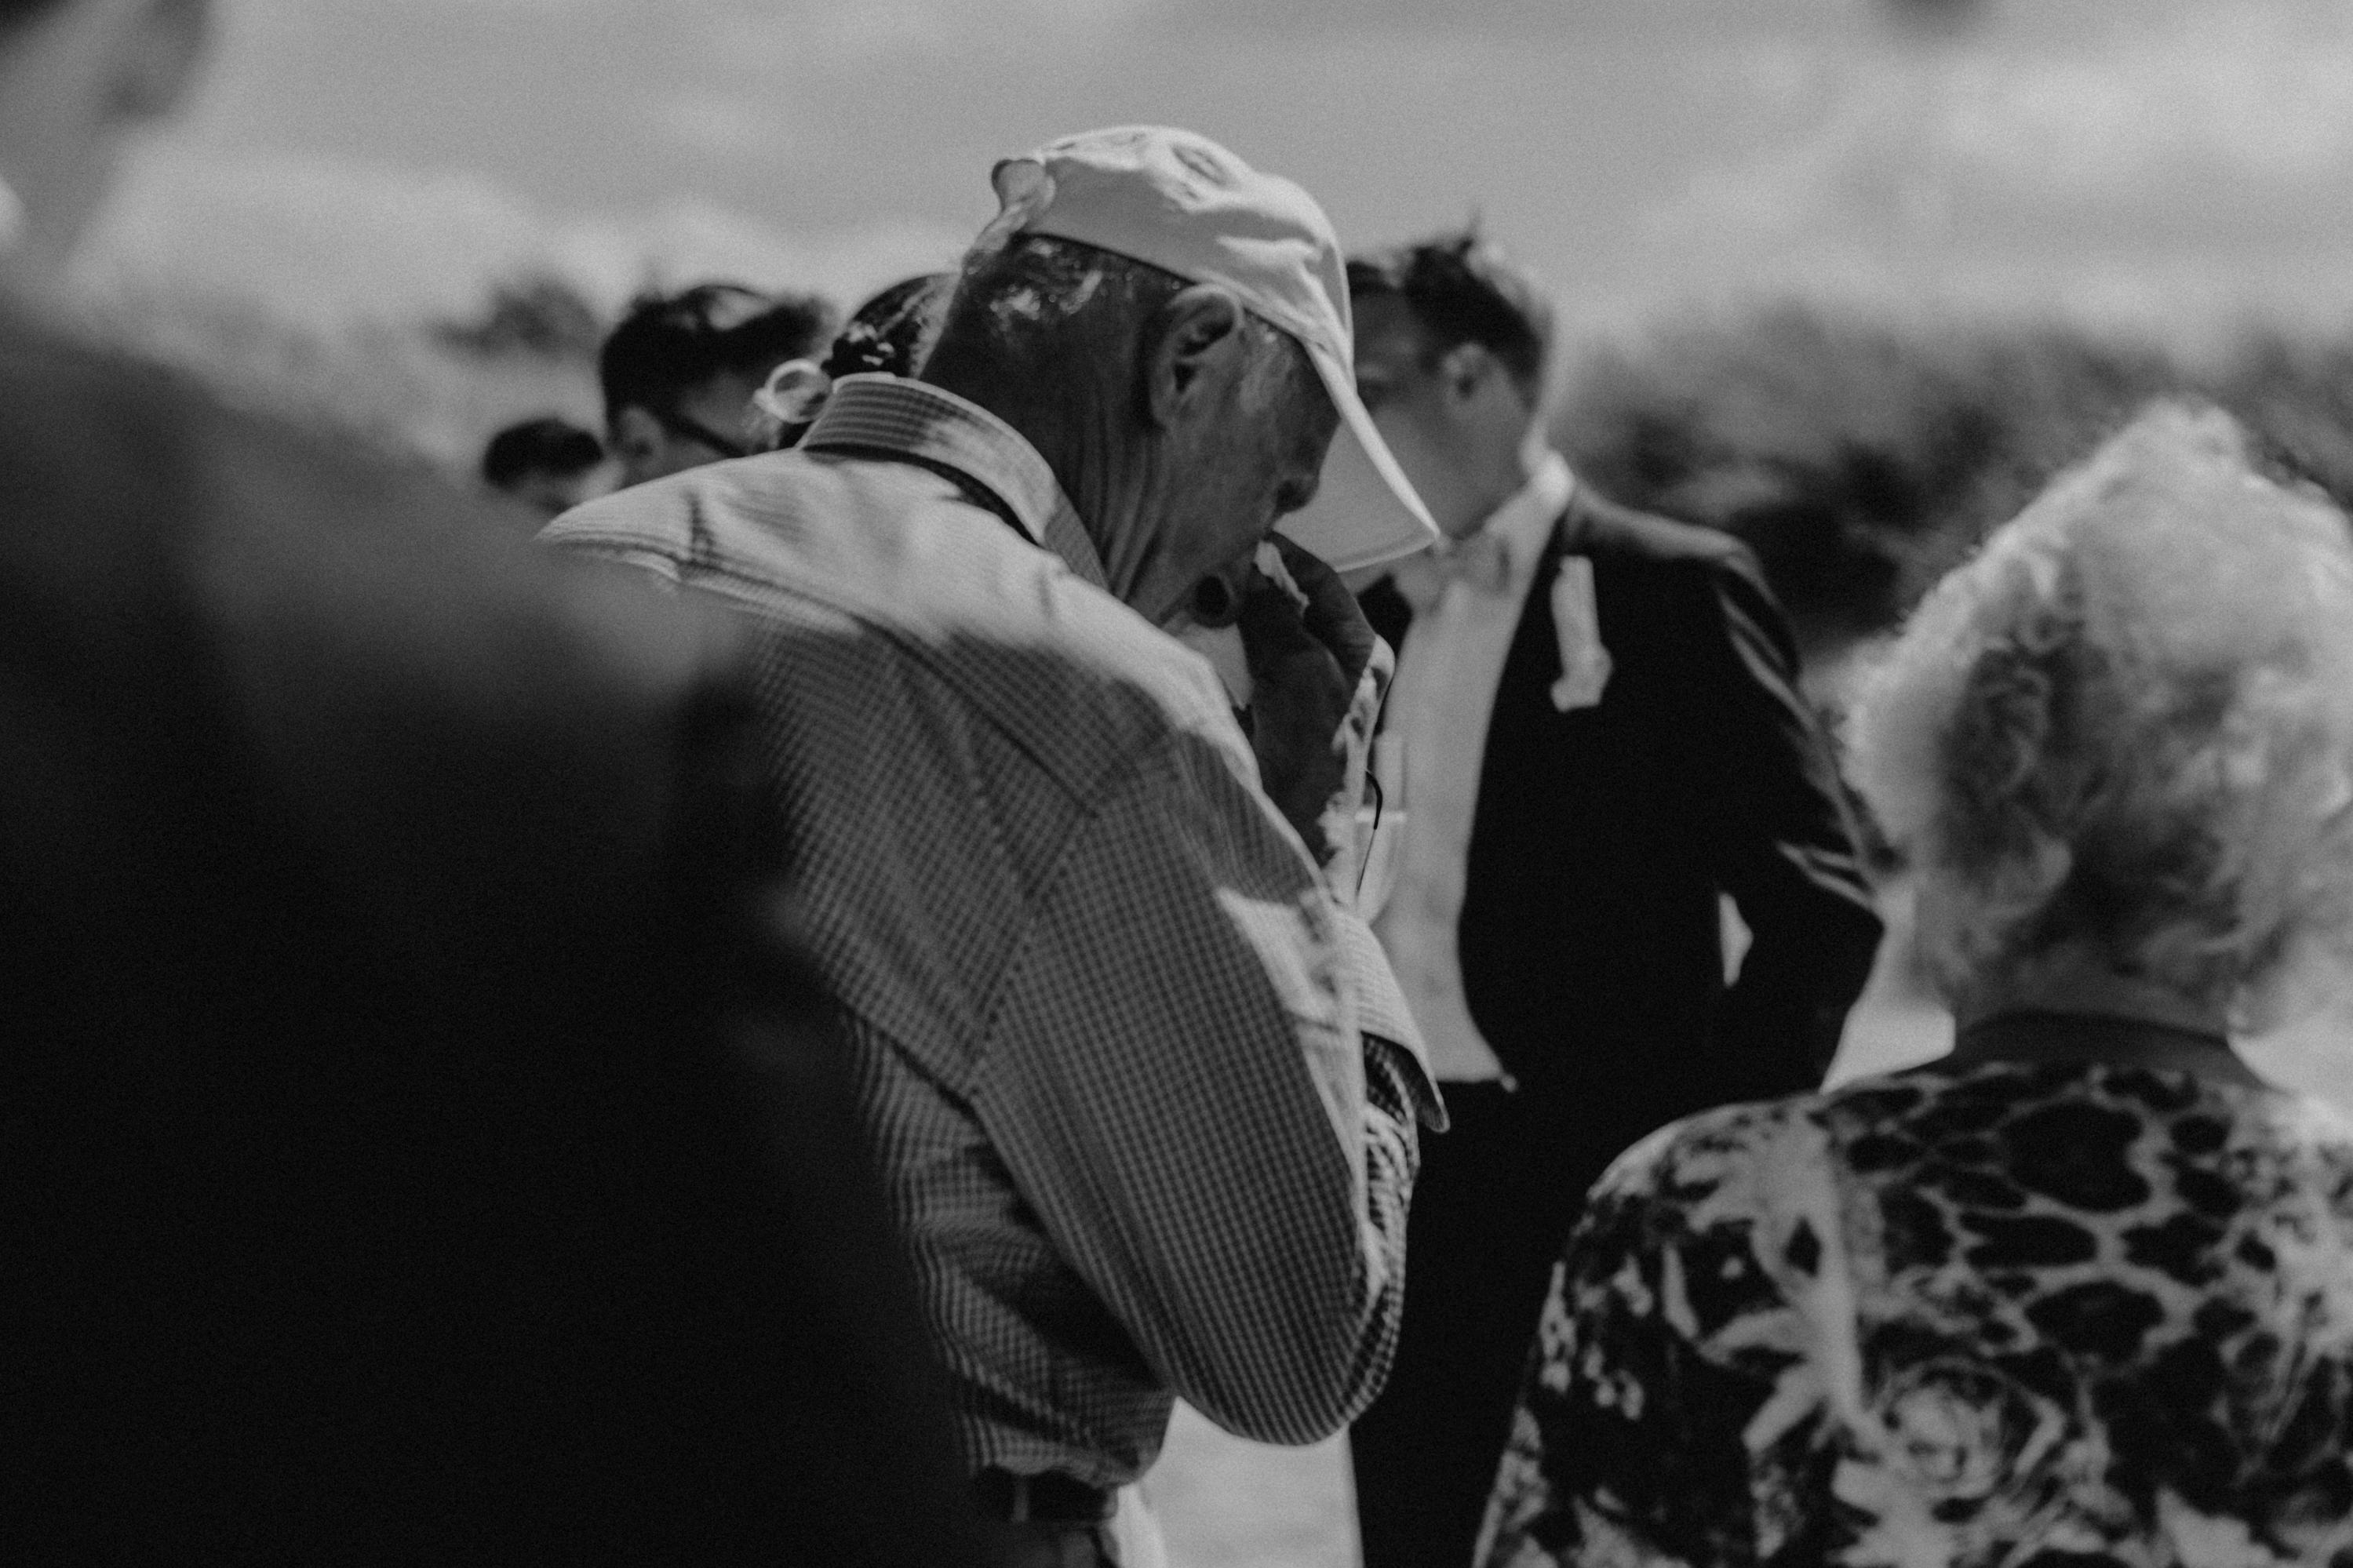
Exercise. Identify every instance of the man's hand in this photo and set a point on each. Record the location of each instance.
(1318, 673)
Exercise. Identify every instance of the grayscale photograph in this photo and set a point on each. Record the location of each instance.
(1177, 783)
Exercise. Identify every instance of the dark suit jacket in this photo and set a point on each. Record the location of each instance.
(1591, 954)
(416, 1141)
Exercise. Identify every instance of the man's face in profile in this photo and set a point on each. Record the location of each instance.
(1453, 419)
(1253, 454)
(1402, 390)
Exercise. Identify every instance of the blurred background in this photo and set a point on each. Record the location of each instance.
(1865, 248)
(1848, 278)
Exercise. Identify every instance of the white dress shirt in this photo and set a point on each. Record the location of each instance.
(1463, 625)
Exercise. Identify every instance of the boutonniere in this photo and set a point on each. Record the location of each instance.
(1584, 662)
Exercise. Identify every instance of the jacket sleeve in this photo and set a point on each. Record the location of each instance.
(1782, 837)
(1178, 1078)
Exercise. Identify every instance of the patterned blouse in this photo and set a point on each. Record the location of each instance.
(2033, 1315)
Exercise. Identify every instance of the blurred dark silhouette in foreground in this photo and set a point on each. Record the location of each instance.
(419, 1141)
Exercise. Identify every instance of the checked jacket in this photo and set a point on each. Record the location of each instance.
(1143, 1093)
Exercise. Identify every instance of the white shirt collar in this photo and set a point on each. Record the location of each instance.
(1523, 522)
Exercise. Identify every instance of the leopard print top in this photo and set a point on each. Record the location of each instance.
(2025, 1315)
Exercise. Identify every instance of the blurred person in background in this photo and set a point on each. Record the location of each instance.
(679, 369)
(2081, 1292)
(887, 335)
(549, 465)
(1596, 734)
(1146, 1093)
(420, 1142)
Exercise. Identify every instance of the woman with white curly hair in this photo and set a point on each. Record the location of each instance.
(2080, 1293)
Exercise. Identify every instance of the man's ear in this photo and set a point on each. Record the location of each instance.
(638, 440)
(1192, 335)
(1463, 370)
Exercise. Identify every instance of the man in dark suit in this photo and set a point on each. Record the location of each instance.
(417, 1141)
(1595, 737)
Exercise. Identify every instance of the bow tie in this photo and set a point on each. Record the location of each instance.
(1482, 560)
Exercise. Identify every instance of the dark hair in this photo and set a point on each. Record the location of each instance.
(669, 345)
(548, 445)
(886, 333)
(1462, 290)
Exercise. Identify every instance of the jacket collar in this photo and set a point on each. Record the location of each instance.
(894, 417)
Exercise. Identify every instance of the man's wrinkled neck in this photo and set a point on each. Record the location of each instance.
(1108, 473)
(1111, 479)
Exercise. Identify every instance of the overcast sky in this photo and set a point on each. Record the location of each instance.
(2139, 159)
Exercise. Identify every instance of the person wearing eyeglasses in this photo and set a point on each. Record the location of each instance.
(679, 371)
(1597, 736)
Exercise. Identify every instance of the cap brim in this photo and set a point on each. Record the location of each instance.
(1364, 512)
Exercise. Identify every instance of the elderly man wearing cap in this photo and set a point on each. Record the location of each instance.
(1141, 1082)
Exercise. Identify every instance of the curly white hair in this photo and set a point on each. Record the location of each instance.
(2128, 724)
